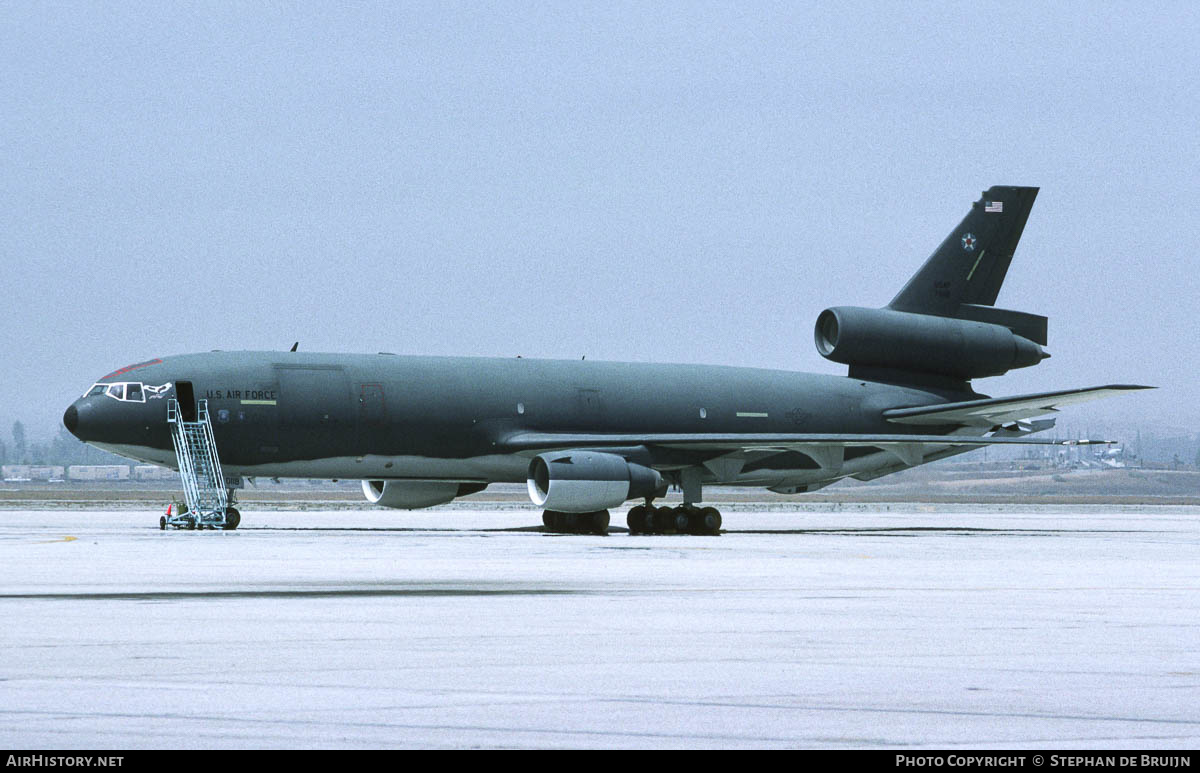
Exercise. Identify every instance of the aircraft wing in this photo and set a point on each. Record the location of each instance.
(1000, 410)
(971, 415)
(726, 453)
(765, 441)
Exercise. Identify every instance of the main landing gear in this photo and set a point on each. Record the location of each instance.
(684, 519)
(576, 523)
(642, 519)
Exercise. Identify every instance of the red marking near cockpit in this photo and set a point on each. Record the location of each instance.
(128, 368)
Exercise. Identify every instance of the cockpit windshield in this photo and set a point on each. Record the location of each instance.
(125, 391)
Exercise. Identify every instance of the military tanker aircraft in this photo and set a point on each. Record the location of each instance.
(589, 436)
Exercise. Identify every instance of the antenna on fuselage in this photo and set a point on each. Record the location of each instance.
(294, 346)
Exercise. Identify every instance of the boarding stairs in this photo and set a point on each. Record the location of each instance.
(203, 482)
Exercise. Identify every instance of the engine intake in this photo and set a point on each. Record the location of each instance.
(885, 338)
(587, 481)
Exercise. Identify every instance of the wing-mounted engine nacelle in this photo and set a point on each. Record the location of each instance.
(886, 338)
(588, 481)
(415, 494)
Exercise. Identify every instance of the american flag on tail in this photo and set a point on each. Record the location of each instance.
(993, 206)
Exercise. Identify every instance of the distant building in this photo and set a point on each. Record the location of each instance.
(23, 472)
(153, 472)
(90, 472)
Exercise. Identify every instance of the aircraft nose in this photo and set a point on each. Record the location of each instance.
(88, 421)
(71, 419)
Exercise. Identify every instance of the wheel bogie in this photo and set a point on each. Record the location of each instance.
(682, 519)
(576, 523)
(636, 519)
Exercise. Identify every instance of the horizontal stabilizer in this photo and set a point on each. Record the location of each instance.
(1031, 326)
(999, 410)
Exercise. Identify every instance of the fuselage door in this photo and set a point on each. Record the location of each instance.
(372, 416)
(187, 400)
(372, 410)
(589, 407)
(314, 415)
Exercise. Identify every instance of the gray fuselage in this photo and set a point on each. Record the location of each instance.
(386, 416)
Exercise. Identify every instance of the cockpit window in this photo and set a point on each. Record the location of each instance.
(125, 391)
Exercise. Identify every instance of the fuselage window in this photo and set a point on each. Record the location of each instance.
(97, 389)
(117, 391)
(133, 393)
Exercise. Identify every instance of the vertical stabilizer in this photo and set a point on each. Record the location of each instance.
(970, 265)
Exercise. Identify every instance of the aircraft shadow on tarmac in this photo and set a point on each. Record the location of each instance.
(276, 593)
(868, 531)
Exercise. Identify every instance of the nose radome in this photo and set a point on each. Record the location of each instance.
(84, 421)
(71, 419)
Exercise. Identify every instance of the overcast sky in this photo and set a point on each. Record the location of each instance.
(632, 181)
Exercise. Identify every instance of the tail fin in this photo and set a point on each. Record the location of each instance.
(970, 265)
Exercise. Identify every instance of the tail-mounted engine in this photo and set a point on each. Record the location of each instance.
(923, 343)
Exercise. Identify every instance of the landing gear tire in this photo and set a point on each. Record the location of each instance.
(555, 522)
(232, 518)
(684, 519)
(576, 523)
(636, 519)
